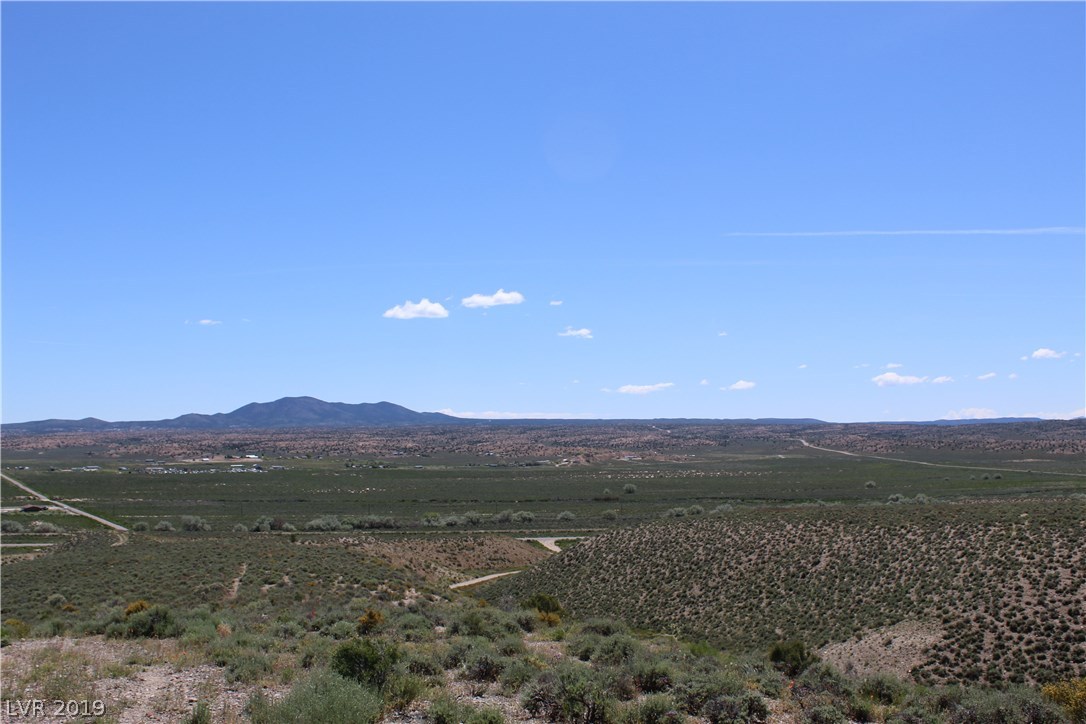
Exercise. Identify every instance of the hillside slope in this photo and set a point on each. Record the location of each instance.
(999, 584)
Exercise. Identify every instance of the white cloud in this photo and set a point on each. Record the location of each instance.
(860, 366)
(556, 303)
(740, 385)
(704, 382)
(722, 334)
(209, 322)
(644, 389)
(571, 332)
(892, 366)
(1046, 353)
(988, 376)
(893, 378)
(492, 300)
(425, 309)
(503, 415)
(970, 413)
(1012, 376)
(942, 380)
(802, 366)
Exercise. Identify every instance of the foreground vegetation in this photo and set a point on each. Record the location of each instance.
(999, 584)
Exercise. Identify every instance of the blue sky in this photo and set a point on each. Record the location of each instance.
(845, 211)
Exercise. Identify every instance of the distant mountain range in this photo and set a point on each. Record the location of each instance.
(283, 413)
(303, 412)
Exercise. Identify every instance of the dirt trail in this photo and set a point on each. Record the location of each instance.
(481, 579)
(236, 584)
(935, 465)
(551, 543)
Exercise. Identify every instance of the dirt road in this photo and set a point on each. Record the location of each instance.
(64, 506)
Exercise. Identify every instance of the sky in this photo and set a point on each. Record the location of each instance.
(852, 212)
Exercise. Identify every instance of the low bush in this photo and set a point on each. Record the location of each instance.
(367, 661)
(164, 526)
(322, 697)
(569, 693)
(747, 707)
(11, 526)
(193, 523)
(792, 657)
(654, 709)
(446, 710)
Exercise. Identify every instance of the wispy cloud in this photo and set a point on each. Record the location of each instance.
(1046, 353)
(644, 389)
(942, 380)
(892, 366)
(741, 385)
(492, 300)
(504, 415)
(704, 382)
(1062, 230)
(571, 332)
(424, 309)
(887, 379)
(556, 303)
(802, 366)
(970, 413)
(209, 322)
(987, 376)
(722, 334)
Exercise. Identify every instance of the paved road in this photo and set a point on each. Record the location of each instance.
(64, 506)
(937, 465)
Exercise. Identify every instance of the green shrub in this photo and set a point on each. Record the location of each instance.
(792, 657)
(695, 510)
(11, 526)
(201, 714)
(615, 650)
(141, 527)
(322, 697)
(826, 714)
(247, 666)
(324, 523)
(543, 602)
(569, 693)
(629, 488)
(523, 516)
(194, 523)
(652, 675)
(152, 622)
(164, 526)
(748, 708)
(883, 689)
(490, 623)
(41, 526)
(695, 689)
(603, 626)
(654, 709)
(367, 661)
(484, 665)
(446, 710)
(401, 690)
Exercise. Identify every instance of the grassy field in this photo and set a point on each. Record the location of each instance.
(749, 471)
